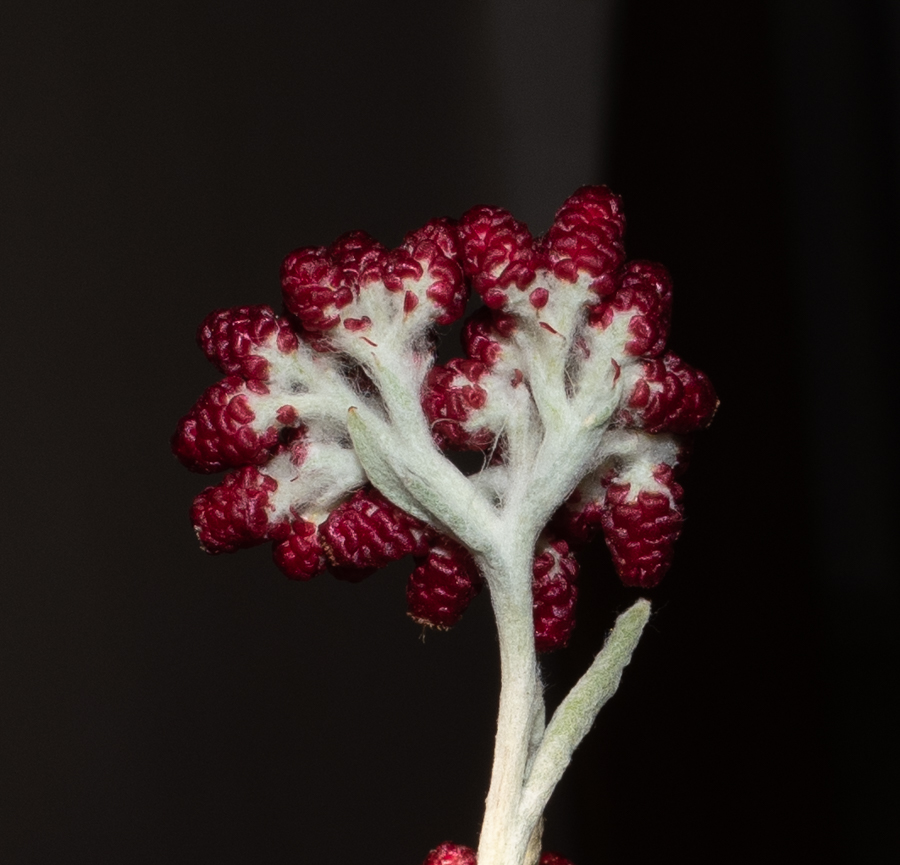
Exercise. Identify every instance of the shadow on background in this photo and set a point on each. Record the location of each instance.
(159, 160)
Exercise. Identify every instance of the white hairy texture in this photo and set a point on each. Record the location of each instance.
(311, 489)
(386, 310)
(555, 430)
(401, 459)
(631, 457)
(603, 378)
(296, 372)
(628, 447)
(505, 401)
(389, 323)
(631, 374)
(562, 312)
(265, 407)
(639, 477)
(610, 342)
(491, 482)
(310, 382)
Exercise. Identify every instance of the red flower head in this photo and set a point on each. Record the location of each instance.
(569, 330)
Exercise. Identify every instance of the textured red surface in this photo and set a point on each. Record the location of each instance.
(300, 556)
(368, 531)
(450, 395)
(641, 530)
(443, 585)
(319, 282)
(553, 859)
(586, 237)
(640, 525)
(554, 589)
(672, 397)
(645, 290)
(231, 338)
(457, 854)
(578, 521)
(484, 333)
(235, 513)
(217, 433)
(498, 252)
(451, 854)
(435, 249)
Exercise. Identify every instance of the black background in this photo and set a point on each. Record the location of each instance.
(160, 706)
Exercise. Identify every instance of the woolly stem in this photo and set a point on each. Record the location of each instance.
(400, 459)
(505, 836)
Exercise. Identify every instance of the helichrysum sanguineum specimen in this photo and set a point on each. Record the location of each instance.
(333, 419)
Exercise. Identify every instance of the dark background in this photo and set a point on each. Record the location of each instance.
(161, 706)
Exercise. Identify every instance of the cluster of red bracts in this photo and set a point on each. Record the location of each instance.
(360, 535)
(358, 290)
(367, 532)
(465, 399)
(319, 282)
(457, 854)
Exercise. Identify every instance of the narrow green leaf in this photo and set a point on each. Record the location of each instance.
(577, 712)
(371, 439)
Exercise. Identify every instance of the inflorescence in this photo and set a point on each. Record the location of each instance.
(570, 340)
(277, 424)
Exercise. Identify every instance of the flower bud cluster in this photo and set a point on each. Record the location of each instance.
(570, 337)
(357, 292)
(569, 299)
(554, 594)
(295, 484)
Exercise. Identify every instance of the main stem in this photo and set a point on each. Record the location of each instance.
(504, 835)
(528, 760)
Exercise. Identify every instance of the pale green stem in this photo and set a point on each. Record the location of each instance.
(401, 460)
(505, 836)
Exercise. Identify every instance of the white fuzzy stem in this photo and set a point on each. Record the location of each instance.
(400, 459)
(505, 836)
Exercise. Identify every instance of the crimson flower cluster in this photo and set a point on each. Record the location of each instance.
(277, 421)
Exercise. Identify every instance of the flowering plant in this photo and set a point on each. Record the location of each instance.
(335, 422)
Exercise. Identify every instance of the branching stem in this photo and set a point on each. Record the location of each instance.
(529, 759)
